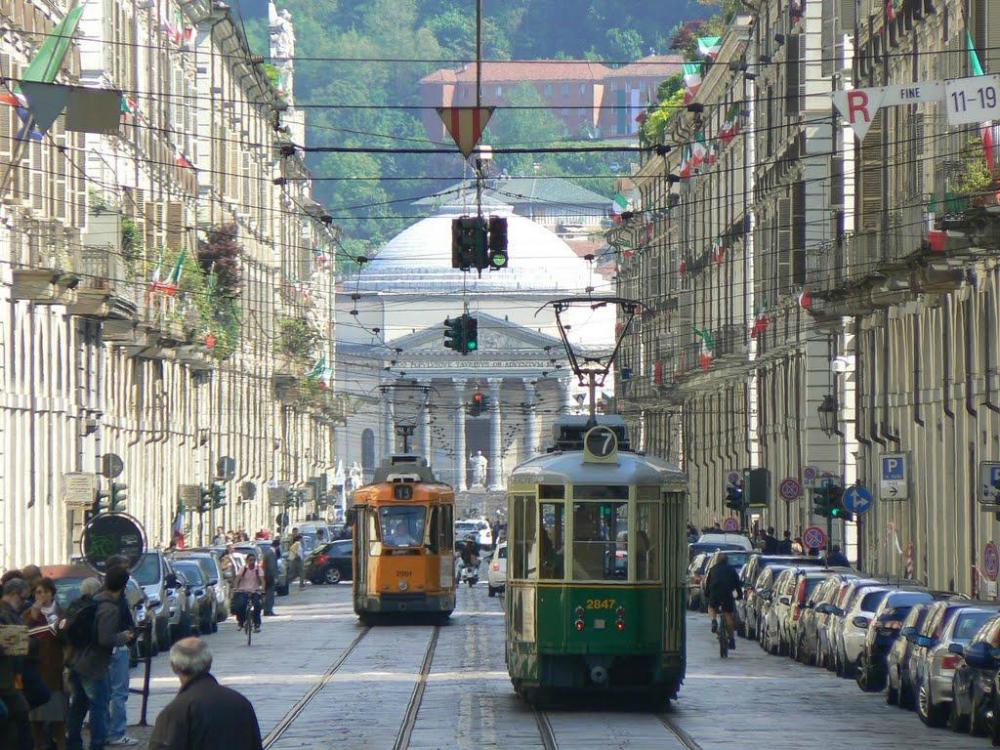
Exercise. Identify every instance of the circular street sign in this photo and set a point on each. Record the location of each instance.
(789, 489)
(857, 499)
(112, 465)
(108, 534)
(814, 537)
(809, 473)
(991, 561)
(733, 477)
(731, 524)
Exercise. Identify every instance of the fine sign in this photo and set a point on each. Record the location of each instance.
(991, 561)
(789, 489)
(809, 474)
(814, 537)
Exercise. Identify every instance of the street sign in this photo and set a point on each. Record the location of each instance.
(190, 495)
(789, 489)
(111, 465)
(809, 474)
(814, 537)
(859, 106)
(465, 125)
(972, 100)
(248, 490)
(991, 561)
(857, 499)
(225, 468)
(108, 534)
(733, 477)
(79, 489)
(895, 484)
(989, 482)
(277, 494)
(731, 524)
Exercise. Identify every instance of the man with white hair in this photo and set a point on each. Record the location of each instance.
(205, 715)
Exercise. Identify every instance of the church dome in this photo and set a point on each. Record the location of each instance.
(418, 259)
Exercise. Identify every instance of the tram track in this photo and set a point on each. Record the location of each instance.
(550, 742)
(293, 713)
(687, 740)
(545, 731)
(417, 696)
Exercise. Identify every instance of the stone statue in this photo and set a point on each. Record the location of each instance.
(355, 477)
(479, 462)
(281, 32)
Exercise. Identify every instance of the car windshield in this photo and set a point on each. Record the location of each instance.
(67, 589)
(402, 526)
(909, 599)
(871, 600)
(737, 559)
(966, 626)
(148, 571)
(463, 528)
(191, 571)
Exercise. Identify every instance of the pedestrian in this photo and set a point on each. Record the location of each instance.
(93, 630)
(771, 545)
(48, 721)
(226, 564)
(220, 537)
(296, 561)
(12, 573)
(785, 545)
(250, 582)
(32, 574)
(15, 728)
(204, 715)
(269, 562)
(837, 558)
(118, 672)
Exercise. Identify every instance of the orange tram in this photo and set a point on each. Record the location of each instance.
(403, 553)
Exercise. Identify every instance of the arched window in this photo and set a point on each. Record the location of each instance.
(368, 450)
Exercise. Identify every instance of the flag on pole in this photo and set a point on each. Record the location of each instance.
(618, 204)
(698, 150)
(317, 370)
(692, 80)
(154, 282)
(707, 353)
(731, 125)
(685, 166)
(170, 286)
(986, 130)
(178, 528)
(45, 66)
(709, 46)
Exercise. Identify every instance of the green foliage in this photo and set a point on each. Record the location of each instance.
(974, 177)
(659, 119)
(298, 337)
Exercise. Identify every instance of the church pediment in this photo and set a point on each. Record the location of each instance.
(495, 336)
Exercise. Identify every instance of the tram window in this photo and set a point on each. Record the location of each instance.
(374, 545)
(551, 491)
(600, 492)
(552, 551)
(447, 529)
(402, 526)
(647, 542)
(525, 539)
(434, 537)
(600, 541)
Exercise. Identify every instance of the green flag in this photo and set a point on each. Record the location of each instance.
(974, 64)
(706, 338)
(46, 64)
(317, 372)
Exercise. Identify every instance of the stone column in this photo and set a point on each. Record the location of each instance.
(494, 469)
(565, 401)
(530, 437)
(460, 459)
(388, 424)
(424, 425)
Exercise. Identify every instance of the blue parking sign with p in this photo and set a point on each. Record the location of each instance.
(995, 476)
(893, 468)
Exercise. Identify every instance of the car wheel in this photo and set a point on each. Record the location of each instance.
(331, 575)
(977, 725)
(905, 693)
(891, 693)
(957, 722)
(929, 713)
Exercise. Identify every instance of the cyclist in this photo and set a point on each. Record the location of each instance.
(249, 582)
(722, 582)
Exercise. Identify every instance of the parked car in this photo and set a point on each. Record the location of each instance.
(883, 631)
(738, 540)
(932, 665)
(803, 582)
(831, 618)
(852, 627)
(899, 682)
(695, 574)
(171, 619)
(330, 563)
(314, 536)
(208, 560)
(973, 680)
(760, 602)
(696, 548)
(757, 561)
(201, 594)
(496, 574)
(817, 608)
(775, 614)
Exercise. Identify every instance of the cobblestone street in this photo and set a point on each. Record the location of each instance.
(465, 699)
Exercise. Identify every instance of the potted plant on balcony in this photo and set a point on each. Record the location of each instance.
(972, 184)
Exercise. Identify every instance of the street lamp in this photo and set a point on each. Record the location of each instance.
(828, 415)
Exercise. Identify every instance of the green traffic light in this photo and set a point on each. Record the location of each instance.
(471, 345)
(498, 259)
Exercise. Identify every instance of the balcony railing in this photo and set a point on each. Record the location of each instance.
(45, 263)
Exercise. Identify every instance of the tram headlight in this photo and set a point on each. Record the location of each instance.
(579, 625)
(403, 585)
(620, 612)
(579, 613)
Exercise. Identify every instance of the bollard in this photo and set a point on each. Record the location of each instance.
(148, 661)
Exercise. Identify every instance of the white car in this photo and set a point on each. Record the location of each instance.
(479, 528)
(726, 538)
(853, 627)
(496, 576)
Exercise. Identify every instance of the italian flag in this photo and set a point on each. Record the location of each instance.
(170, 286)
(618, 204)
(698, 150)
(986, 129)
(180, 160)
(712, 156)
(731, 125)
(707, 353)
(685, 166)
(692, 80)
(709, 46)
(760, 324)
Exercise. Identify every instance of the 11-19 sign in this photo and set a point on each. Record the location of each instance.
(972, 100)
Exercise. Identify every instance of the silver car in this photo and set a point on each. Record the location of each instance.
(849, 637)
(760, 602)
(932, 664)
(814, 614)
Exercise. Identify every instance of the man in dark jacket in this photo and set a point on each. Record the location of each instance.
(118, 673)
(204, 715)
(14, 728)
(836, 558)
(785, 545)
(270, 565)
(89, 665)
(770, 542)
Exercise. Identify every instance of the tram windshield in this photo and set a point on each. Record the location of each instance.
(402, 526)
(600, 541)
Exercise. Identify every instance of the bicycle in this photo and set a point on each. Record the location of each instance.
(248, 619)
(723, 633)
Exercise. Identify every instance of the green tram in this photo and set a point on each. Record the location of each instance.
(596, 561)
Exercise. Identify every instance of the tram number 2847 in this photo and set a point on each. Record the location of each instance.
(601, 603)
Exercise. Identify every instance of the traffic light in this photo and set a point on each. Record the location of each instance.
(119, 496)
(470, 334)
(206, 499)
(99, 505)
(821, 503)
(218, 496)
(836, 504)
(498, 243)
(453, 330)
(756, 487)
(480, 402)
(469, 243)
(734, 497)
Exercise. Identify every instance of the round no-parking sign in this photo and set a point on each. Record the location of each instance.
(731, 524)
(991, 561)
(789, 489)
(814, 537)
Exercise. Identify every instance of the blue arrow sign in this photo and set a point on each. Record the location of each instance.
(857, 499)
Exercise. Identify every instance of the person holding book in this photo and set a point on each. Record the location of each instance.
(48, 721)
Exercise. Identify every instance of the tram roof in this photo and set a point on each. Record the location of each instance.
(569, 468)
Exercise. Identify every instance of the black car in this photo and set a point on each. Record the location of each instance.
(330, 562)
(972, 683)
(201, 594)
(883, 630)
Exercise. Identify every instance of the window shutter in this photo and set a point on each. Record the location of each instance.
(792, 98)
(175, 225)
(829, 32)
(871, 175)
(799, 233)
(784, 245)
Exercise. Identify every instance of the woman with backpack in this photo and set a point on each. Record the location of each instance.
(48, 722)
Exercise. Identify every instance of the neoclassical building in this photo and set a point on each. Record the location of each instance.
(401, 379)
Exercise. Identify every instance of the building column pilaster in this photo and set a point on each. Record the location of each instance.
(459, 422)
(424, 424)
(388, 424)
(494, 469)
(530, 436)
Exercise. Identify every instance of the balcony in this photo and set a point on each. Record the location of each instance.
(731, 341)
(105, 290)
(45, 264)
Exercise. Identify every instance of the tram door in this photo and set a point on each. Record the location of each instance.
(360, 549)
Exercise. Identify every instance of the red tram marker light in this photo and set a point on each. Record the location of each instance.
(620, 625)
(579, 625)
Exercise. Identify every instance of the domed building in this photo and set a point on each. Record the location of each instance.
(409, 391)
